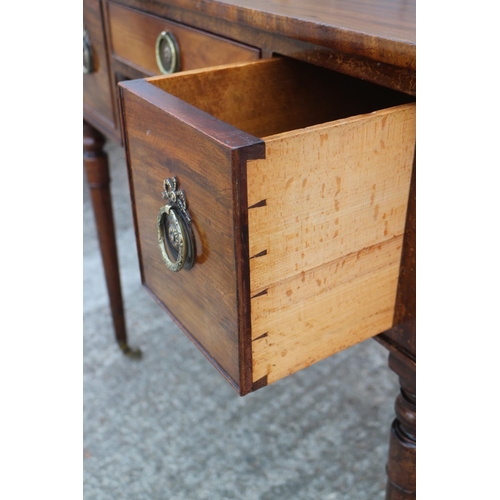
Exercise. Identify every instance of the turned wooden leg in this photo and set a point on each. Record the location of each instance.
(401, 468)
(96, 168)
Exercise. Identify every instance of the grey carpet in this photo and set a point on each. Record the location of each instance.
(169, 427)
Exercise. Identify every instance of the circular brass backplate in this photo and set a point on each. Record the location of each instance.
(167, 53)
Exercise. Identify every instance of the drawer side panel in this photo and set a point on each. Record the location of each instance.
(325, 237)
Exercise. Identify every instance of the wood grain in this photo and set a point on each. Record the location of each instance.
(276, 95)
(325, 310)
(97, 101)
(133, 40)
(166, 137)
(381, 30)
(327, 242)
(350, 63)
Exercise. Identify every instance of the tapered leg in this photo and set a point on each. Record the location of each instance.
(96, 166)
(402, 449)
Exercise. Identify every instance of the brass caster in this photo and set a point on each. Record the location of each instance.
(130, 351)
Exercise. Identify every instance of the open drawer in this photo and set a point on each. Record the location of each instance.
(296, 181)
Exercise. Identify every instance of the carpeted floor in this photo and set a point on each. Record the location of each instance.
(169, 427)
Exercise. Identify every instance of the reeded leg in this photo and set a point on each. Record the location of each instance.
(401, 467)
(96, 167)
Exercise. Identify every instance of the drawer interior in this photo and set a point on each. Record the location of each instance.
(278, 95)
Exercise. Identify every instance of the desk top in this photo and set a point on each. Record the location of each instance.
(381, 30)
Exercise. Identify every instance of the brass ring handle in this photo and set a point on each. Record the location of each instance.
(88, 57)
(167, 52)
(173, 226)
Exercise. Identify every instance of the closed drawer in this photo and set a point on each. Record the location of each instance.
(134, 35)
(296, 180)
(96, 86)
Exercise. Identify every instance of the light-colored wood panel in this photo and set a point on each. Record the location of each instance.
(330, 190)
(313, 326)
(310, 289)
(325, 237)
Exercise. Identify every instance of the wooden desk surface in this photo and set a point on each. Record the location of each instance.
(381, 30)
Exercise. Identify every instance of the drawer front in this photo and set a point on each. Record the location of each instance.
(297, 181)
(97, 101)
(134, 35)
(163, 141)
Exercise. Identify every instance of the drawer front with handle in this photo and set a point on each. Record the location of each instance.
(294, 181)
(154, 45)
(96, 87)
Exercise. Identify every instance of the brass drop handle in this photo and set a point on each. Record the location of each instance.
(173, 224)
(168, 55)
(88, 57)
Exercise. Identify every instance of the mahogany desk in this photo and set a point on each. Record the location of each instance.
(369, 40)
